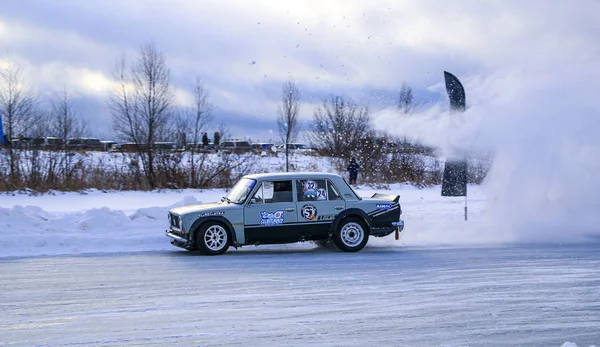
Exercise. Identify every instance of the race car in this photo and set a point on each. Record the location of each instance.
(276, 208)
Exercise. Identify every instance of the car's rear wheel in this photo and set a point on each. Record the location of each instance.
(351, 235)
(212, 238)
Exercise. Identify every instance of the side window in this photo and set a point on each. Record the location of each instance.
(312, 190)
(274, 192)
(332, 192)
(259, 196)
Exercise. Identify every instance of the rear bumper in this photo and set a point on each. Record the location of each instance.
(385, 231)
(399, 224)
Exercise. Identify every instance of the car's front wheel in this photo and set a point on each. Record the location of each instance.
(212, 239)
(351, 235)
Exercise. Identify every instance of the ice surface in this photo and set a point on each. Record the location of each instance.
(535, 296)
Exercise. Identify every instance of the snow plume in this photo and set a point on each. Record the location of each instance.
(533, 102)
(542, 129)
(544, 183)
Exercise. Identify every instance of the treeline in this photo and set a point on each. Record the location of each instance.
(144, 112)
(45, 170)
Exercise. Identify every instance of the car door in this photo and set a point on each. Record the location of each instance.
(270, 216)
(319, 202)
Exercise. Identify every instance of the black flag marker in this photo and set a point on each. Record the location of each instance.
(454, 180)
(456, 92)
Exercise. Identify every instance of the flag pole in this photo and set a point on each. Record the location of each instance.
(465, 207)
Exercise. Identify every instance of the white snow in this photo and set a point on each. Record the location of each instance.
(96, 222)
(74, 223)
(438, 246)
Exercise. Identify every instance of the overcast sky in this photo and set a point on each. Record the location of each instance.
(245, 50)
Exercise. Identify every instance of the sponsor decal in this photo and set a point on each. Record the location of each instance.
(309, 212)
(213, 213)
(310, 188)
(326, 217)
(271, 218)
(384, 206)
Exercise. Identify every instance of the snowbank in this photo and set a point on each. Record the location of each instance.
(74, 223)
(31, 230)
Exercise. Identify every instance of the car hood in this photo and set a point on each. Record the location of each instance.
(210, 207)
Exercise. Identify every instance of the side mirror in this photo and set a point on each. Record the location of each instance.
(252, 201)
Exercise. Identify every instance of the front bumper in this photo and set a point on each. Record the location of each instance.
(179, 240)
(176, 237)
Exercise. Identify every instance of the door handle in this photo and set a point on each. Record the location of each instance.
(290, 209)
(338, 207)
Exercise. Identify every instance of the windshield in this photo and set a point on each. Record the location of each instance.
(240, 191)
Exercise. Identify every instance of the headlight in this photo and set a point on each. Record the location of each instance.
(175, 220)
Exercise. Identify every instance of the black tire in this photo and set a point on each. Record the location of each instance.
(351, 235)
(212, 238)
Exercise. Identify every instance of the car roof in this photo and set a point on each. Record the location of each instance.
(290, 175)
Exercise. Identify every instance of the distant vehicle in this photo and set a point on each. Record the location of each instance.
(131, 147)
(19, 143)
(234, 146)
(295, 147)
(48, 143)
(263, 147)
(164, 146)
(85, 144)
(199, 147)
(128, 147)
(108, 144)
(276, 208)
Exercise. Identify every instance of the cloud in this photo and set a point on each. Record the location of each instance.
(244, 50)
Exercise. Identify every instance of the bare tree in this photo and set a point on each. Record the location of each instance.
(17, 110)
(287, 117)
(339, 126)
(224, 131)
(65, 125)
(64, 121)
(197, 118)
(405, 99)
(142, 104)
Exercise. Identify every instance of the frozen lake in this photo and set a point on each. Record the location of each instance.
(306, 296)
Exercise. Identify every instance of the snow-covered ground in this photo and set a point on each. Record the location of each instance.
(129, 221)
(91, 222)
(446, 282)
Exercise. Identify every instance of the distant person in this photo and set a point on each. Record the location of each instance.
(353, 170)
(216, 140)
(205, 140)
